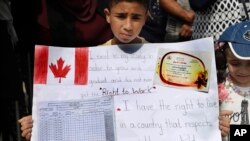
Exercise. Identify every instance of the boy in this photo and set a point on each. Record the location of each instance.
(126, 18)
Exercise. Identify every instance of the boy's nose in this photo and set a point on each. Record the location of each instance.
(128, 24)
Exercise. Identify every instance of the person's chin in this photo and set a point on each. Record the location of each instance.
(243, 81)
(125, 41)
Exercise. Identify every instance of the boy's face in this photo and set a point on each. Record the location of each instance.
(238, 69)
(126, 20)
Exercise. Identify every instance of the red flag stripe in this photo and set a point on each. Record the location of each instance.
(41, 64)
(81, 66)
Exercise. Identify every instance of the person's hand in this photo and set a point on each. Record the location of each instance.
(190, 16)
(185, 32)
(26, 126)
(224, 119)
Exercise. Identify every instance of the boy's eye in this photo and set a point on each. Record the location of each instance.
(121, 16)
(124, 16)
(136, 17)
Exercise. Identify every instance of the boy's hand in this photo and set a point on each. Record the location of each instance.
(224, 119)
(26, 126)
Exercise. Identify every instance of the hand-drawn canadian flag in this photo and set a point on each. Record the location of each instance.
(56, 65)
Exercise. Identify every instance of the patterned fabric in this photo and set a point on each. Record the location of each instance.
(218, 17)
(156, 12)
(154, 28)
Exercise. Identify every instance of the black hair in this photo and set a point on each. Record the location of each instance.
(143, 2)
(221, 62)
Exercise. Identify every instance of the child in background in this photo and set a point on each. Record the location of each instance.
(126, 18)
(233, 65)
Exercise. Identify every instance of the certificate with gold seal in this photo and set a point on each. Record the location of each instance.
(188, 70)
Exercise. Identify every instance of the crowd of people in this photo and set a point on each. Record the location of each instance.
(85, 23)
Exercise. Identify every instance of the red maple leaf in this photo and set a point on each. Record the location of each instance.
(59, 70)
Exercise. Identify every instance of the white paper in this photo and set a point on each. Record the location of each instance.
(168, 113)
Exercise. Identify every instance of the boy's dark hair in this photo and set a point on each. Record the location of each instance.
(143, 2)
(221, 62)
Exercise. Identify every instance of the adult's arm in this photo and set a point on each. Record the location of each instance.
(176, 10)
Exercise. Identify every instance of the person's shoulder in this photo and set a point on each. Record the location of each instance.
(143, 40)
(107, 43)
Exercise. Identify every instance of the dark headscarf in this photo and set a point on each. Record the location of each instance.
(83, 10)
(73, 23)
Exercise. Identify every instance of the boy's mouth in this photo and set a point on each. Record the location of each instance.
(125, 35)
